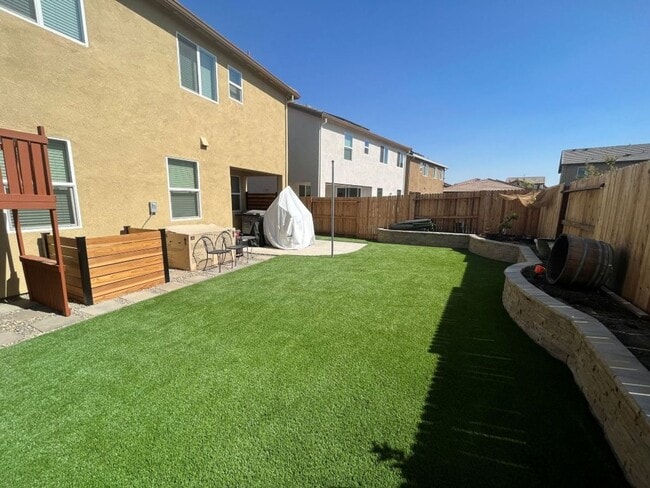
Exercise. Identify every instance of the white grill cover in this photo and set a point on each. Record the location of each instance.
(287, 222)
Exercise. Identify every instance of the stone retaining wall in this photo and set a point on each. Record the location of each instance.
(417, 238)
(614, 382)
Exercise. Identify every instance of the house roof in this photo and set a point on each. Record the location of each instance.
(529, 179)
(199, 25)
(477, 184)
(346, 123)
(590, 155)
(420, 157)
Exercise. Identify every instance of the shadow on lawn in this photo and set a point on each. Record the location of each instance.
(499, 411)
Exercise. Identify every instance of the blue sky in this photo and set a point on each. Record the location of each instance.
(491, 89)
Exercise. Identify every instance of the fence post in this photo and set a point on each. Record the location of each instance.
(163, 241)
(563, 208)
(84, 270)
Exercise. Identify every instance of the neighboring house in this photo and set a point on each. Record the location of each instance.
(477, 184)
(528, 182)
(578, 163)
(424, 175)
(142, 102)
(366, 164)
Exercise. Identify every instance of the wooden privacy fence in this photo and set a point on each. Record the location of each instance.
(259, 201)
(614, 208)
(466, 212)
(101, 268)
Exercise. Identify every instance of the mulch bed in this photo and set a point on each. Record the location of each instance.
(632, 331)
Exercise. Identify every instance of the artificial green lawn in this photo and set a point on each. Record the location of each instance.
(391, 366)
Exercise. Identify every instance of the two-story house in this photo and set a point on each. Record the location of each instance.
(424, 175)
(366, 164)
(143, 102)
(579, 163)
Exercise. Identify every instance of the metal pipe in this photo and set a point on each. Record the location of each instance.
(332, 216)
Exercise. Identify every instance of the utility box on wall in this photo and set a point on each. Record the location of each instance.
(186, 244)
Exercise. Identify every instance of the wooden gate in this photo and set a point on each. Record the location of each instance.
(29, 187)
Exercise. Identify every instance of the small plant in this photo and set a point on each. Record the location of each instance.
(507, 223)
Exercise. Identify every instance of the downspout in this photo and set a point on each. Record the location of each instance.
(320, 162)
(285, 179)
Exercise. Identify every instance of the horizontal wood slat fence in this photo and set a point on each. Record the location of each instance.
(101, 268)
(259, 201)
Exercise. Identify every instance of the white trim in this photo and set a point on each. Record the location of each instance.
(241, 206)
(75, 196)
(189, 190)
(350, 147)
(306, 184)
(199, 48)
(39, 21)
(241, 88)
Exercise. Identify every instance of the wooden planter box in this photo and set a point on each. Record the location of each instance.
(101, 268)
(186, 249)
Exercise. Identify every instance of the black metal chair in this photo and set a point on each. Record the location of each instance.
(205, 250)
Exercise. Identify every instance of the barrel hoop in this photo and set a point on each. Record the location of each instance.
(606, 267)
(597, 275)
(583, 258)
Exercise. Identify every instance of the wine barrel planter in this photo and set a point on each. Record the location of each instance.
(578, 261)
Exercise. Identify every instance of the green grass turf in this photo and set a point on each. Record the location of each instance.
(392, 366)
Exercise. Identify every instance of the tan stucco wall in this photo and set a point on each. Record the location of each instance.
(120, 104)
(418, 183)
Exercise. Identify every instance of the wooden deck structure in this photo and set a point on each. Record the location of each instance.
(29, 187)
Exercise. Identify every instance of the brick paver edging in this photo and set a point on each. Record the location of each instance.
(614, 382)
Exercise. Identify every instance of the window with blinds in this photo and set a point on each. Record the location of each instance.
(198, 69)
(64, 189)
(184, 190)
(62, 16)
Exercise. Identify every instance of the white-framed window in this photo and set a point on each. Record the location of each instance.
(304, 190)
(380, 192)
(399, 193)
(235, 84)
(400, 159)
(184, 189)
(582, 172)
(350, 191)
(383, 154)
(347, 147)
(366, 147)
(425, 170)
(65, 190)
(235, 193)
(64, 17)
(197, 68)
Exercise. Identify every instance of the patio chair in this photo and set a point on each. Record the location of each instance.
(205, 250)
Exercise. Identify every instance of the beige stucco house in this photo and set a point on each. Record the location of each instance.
(424, 175)
(154, 118)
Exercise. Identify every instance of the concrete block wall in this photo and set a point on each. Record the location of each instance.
(416, 238)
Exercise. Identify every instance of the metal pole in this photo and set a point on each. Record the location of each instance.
(332, 212)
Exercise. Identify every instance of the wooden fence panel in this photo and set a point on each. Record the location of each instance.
(624, 222)
(548, 214)
(259, 201)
